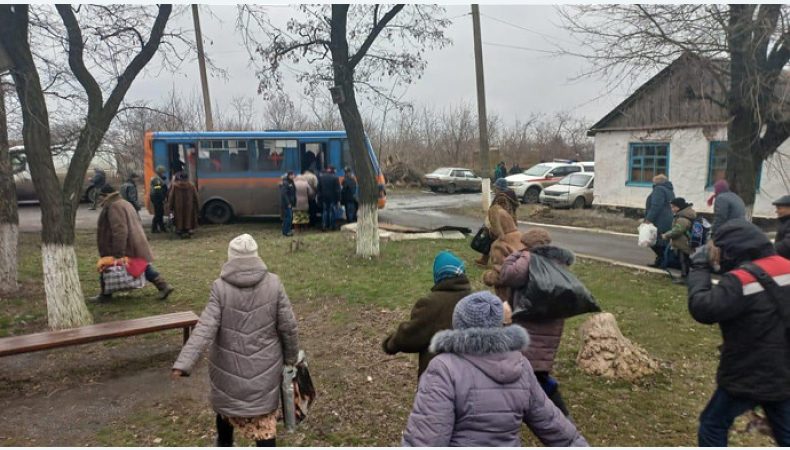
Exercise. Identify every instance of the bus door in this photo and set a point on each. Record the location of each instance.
(182, 156)
(313, 155)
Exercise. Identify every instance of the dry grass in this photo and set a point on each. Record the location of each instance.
(344, 306)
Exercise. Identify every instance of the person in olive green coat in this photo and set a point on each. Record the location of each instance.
(433, 313)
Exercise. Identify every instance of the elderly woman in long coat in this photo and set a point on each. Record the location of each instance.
(182, 203)
(251, 328)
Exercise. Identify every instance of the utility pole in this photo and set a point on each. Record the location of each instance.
(482, 117)
(202, 65)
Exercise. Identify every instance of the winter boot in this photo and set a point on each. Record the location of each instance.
(164, 288)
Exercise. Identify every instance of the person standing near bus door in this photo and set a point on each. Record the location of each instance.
(157, 197)
(312, 202)
(329, 196)
(182, 202)
(287, 202)
(349, 195)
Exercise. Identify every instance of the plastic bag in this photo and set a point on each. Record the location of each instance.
(648, 234)
(298, 392)
(117, 278)
(552, 292)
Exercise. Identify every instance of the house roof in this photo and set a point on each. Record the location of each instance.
(687, 62)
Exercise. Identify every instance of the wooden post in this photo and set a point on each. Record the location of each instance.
(202, 65)
(482, 116)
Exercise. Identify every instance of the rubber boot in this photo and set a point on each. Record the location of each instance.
(164, 288)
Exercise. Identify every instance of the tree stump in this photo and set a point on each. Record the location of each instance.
(607, 353)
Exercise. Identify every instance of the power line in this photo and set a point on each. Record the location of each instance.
(517, 47)
(544, 35)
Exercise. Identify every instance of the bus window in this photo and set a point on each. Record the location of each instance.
(223, 156)
(345, 154)
(271, 154)
(313, 156)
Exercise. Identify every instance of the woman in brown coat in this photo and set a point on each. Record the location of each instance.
(508, 242)
(182, 203)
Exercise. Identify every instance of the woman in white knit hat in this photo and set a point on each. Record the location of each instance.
(252, 326)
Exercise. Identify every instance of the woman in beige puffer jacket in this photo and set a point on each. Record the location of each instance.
(252, 331)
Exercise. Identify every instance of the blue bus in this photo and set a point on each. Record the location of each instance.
(237, 172)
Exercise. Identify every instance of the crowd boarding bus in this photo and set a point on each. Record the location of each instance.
(237, 173)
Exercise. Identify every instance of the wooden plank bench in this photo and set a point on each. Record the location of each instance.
(98, 332)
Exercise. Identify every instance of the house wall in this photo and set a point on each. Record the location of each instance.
(688, 168)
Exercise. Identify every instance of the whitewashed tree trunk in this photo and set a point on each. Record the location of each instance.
(368, 230)
(65, 304)
(9, 233)
(485, 192)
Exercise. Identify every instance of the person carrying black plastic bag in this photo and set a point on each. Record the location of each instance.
(750, 305)
(545, 333)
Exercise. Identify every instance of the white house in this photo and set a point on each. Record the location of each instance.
(669, 126)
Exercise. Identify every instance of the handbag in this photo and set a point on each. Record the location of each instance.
(298, 392)
(117, 278)
(481, 243)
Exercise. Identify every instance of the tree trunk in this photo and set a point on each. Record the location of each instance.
(65, 303)
(9, 217)
(367, 222)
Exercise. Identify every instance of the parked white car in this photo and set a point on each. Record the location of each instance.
(575, 190)
(529, 184)
(453, 179)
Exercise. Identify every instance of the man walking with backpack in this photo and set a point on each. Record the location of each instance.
(680, 235)
(750, 305)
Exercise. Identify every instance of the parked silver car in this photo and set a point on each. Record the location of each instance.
(453, 179)
(575, 190)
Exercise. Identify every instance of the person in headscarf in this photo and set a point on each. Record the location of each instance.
(727, 205)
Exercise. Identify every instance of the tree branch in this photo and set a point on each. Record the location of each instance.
(374, 33)
(76, 61)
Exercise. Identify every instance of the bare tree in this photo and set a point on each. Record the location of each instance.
(348, 47)
(9, 217)
(118, 44)
(743, 47)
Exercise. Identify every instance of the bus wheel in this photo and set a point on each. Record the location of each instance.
(217, 212)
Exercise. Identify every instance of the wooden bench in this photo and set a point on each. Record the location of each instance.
(99, 332)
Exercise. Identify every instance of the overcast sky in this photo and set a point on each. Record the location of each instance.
(519, 81)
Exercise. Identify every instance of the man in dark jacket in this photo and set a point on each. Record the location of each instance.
(727, 205)
(287, 202)
(158, 196)
(754, 366)
(329, 196)
(659, 213)
(782, 241)
(432, 313)
(349, 195)
(97, 183)
(129, 191)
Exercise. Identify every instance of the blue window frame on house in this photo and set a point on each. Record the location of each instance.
(646, 160)
(717, 164)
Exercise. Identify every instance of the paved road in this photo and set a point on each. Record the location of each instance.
(30, 217)
(425, 210)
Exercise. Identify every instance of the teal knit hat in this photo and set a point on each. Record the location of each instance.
(447, 265)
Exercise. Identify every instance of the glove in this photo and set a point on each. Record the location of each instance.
(700, 259)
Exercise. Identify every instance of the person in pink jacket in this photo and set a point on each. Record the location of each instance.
(545, 335)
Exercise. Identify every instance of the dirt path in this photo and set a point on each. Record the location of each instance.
(119, 393)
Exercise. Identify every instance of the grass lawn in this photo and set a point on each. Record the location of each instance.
(345, 306)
